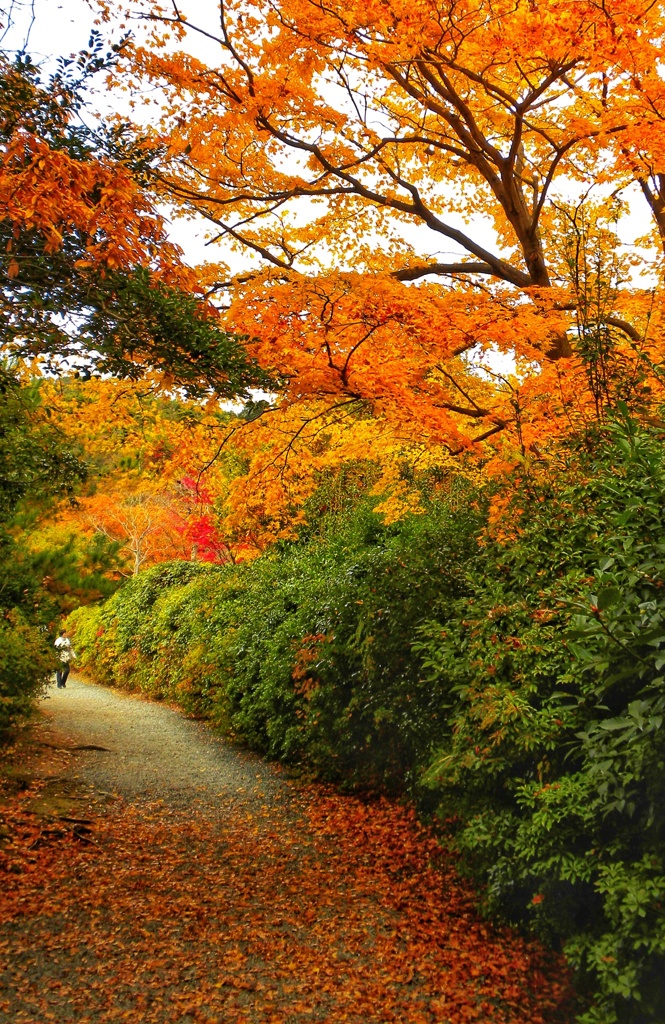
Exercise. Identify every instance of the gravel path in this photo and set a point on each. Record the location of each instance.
(173, 879)
(154, 752)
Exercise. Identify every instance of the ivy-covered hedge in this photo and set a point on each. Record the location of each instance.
(510, 682)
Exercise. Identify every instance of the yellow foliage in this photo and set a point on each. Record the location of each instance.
(342, 148)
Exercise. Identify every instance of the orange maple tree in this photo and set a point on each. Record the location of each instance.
(175, 479)
(341, 147)
(156, 485)
(59, 189)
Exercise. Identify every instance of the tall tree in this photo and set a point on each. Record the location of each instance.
(364, 136)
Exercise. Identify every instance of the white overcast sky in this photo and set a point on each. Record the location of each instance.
(58, 27)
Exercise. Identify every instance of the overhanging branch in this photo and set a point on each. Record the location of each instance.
(415, 273)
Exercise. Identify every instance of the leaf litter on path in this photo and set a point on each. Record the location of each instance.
(305, 906)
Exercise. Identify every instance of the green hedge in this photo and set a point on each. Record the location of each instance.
(513, 685)
(305, 655)
(554, 762)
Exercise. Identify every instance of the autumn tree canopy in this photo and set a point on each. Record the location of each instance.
(417, 183)
(85, 263)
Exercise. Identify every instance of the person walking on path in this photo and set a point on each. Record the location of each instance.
(65, 651)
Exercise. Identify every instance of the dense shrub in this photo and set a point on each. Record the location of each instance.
(26, 661)
(512, 679)
(36, 468)
(26, 654)
(554, 764)
(306, 654)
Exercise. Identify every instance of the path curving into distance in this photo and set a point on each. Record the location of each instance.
(174, 878)
(154, 752)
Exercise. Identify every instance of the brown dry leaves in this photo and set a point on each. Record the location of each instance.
(319, 908)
